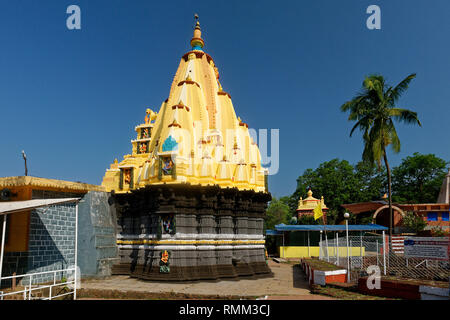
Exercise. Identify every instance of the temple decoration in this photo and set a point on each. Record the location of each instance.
(170, 144)
(192, 191)
(307, 206)
(164, 266)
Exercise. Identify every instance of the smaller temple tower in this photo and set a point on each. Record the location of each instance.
(307, 206)
(444, 194)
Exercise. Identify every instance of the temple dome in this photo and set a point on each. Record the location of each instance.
(195, 130)
(306, 206)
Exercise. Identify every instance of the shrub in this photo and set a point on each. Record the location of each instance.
(414, 222)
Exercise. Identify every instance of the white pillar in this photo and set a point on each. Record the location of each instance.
(337, 248)
(361, 250)
(76, 252)
(348, 251)
(3, 247)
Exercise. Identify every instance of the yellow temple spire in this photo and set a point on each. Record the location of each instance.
(195, 137)
(197, 42)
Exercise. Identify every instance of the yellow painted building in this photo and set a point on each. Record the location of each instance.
(196, 137)
(314, 251)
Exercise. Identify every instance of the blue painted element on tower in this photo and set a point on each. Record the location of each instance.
(170, 144)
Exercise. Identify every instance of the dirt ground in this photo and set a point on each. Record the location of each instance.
(288, 283)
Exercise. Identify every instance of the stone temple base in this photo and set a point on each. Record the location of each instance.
(204, 233)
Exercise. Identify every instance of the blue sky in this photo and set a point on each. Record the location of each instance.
(71, 99)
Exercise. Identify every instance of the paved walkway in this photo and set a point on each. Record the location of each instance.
(288, 283)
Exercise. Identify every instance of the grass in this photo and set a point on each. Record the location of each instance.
(321, 265)
(138, 295)
(344, 294)
(439, 284)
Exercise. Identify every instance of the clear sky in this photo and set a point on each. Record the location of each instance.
(71, 98)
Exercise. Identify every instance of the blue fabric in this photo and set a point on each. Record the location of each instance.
(432, 216)
(445, 216)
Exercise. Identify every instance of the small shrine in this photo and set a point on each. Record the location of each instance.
(307, 206)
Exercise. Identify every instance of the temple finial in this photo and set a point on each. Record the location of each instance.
(197, 42)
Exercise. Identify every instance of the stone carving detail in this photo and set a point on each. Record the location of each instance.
(213, 229)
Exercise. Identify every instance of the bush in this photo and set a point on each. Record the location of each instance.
(438, 232)
(414, 222)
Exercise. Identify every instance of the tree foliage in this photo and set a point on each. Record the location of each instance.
(418, 179)
(414, 222)
(277, 212)
(309, 220)
(375, 111)
(339, 182)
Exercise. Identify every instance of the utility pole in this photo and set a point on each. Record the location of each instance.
(25, 158)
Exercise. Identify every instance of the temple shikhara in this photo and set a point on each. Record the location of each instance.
(195, 137)
(191, 196)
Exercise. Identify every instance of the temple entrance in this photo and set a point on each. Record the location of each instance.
(381, 217)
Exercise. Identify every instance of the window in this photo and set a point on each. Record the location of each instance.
(432, 216)
(445, 216)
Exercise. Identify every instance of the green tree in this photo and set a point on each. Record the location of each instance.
(335, 180)
(339, 182)
(308, 220)
(276, 213)
(418, 179)
(374, 110)
(414, 222)
(371, 181)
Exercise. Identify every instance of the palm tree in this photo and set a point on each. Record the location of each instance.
(374, 110)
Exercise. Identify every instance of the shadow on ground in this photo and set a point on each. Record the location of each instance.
(299, 278)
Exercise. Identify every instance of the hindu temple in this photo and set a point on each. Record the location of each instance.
(306, 206)
(191, 196)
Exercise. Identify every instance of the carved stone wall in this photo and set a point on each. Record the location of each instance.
(184, 232)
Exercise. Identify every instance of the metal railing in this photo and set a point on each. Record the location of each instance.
(28, 289)
(355, 253)
(365, 251)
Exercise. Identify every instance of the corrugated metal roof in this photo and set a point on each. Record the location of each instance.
(273, 233)
(318, 227)
(17, 206)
